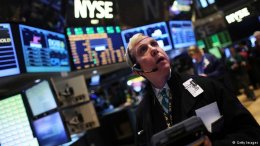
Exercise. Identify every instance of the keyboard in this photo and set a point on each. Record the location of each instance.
(15, 129)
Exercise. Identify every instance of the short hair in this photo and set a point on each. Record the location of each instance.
(193, 49)
(256, 33)
(134, 40)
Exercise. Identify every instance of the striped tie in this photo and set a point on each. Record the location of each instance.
(165, 100)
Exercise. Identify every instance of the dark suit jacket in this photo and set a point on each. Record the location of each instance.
(238, 123)
(215, 68)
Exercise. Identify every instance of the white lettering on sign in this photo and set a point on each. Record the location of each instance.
(5, 40)
(94, 9)
(237, 16)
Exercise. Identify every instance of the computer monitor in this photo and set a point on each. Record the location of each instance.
(158, 31)
(15, 128)
(216, 52)
(50, 130)
(43, 50)
(71, 91)
(182, 33)
(8, 59)
(81, 118)
(95, 46)
(41, 98)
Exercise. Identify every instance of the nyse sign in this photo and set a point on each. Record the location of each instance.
(237, 16)
(94, 9)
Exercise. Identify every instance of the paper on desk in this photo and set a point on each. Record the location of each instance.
(208, 114)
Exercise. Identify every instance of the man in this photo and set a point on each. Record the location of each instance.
(147, 59)
(208, 65)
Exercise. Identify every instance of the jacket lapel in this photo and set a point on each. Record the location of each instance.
(183, 101)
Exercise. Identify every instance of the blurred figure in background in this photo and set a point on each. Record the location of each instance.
(254, 58)
(237, 67)
(208, 65)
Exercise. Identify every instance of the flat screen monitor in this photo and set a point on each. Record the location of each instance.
(71, 91)
(41, 98)
(50, 130)
(81, 118)
(95, 46)
(15, 127)
(44, 51)
(215, 52)
(8, 59)
(220, 40)
(182, 33)
(158, 31)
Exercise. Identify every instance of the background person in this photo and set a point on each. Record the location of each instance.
(208, 65)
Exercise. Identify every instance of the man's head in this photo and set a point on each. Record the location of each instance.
(195, 53)
(146, 57)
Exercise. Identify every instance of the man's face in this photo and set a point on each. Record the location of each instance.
(151, 56)
(196, 56)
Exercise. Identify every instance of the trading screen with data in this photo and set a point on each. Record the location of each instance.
(158, 31)
(44, 51)
(8, 59)
(95, 46)
(182, 34)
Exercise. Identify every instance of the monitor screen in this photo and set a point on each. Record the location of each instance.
(71, 91)
(44, 51)
(8, 59)
(50, 130)
(95, 46)
(158, 31)
(81, 118)
(15, 127)
(215, 52)
(41, 98)
(182, 34)
(220, 40)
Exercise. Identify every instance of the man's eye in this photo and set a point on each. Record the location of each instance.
(143, 49)
(154, 43)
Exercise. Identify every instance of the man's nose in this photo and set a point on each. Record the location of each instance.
(154, 51)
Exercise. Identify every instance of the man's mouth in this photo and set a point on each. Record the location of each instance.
(159, 60)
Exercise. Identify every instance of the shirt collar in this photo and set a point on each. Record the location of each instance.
(157, 91)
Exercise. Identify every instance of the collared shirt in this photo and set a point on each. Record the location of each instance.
(158, 91)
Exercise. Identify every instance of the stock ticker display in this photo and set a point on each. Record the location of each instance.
(8, 59)
(182, 34)
(95, 46)
(158, 31)
(44, 51)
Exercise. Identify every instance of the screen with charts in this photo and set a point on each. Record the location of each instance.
(44, 51)
(15, 127)
(50, 130)
(41, 98)
(95, 46)
(8, 59)
(182, 34)
(158, 31)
